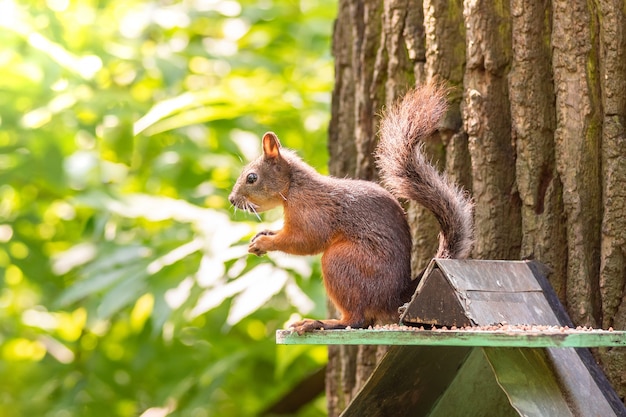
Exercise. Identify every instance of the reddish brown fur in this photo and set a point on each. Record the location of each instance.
(359, 226)
(406, 172)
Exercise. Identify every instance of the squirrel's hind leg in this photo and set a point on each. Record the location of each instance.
(308, 325)
(342, 278)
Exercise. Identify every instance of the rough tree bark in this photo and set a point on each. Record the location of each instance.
(535, 131)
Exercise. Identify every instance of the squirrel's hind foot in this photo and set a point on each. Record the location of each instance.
(308, 325)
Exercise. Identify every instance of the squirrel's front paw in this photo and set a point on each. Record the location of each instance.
(255, 249)
(260, 244)
(263, 233)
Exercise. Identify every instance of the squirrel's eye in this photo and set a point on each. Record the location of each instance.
(251, 178)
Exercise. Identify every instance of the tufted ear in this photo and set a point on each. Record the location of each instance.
(271, 146)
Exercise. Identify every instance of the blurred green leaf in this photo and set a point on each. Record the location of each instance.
(98, 280)
(122, 294)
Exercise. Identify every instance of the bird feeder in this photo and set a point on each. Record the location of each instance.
(484, 338)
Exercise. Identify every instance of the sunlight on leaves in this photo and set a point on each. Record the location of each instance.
(77, 255)
(165, 109)
(160, 411)
(141, 311)
(22, 349)
(175, 255)
(57, 350)
(298, 298)
(266, 282)
(175, 297)
(215, 296)
(86, 66)
(212, 269)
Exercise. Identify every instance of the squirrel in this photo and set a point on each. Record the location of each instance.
(359, 226)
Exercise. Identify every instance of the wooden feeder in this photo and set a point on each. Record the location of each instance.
(505, 371)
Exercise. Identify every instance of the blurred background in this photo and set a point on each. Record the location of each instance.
(126, 286)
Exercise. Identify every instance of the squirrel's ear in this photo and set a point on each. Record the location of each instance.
(271, 145)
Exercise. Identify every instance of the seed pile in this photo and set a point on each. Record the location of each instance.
(502, 327)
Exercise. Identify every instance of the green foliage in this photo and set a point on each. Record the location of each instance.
(127, 288)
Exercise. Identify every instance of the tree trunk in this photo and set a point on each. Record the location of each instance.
(535, 131)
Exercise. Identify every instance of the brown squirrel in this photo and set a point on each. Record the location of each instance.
(358, 225)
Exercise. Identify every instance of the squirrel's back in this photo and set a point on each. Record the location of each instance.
(407, 173)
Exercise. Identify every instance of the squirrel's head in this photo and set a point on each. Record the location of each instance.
(264, 182)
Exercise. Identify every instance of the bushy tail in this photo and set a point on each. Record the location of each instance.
(407, 173)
